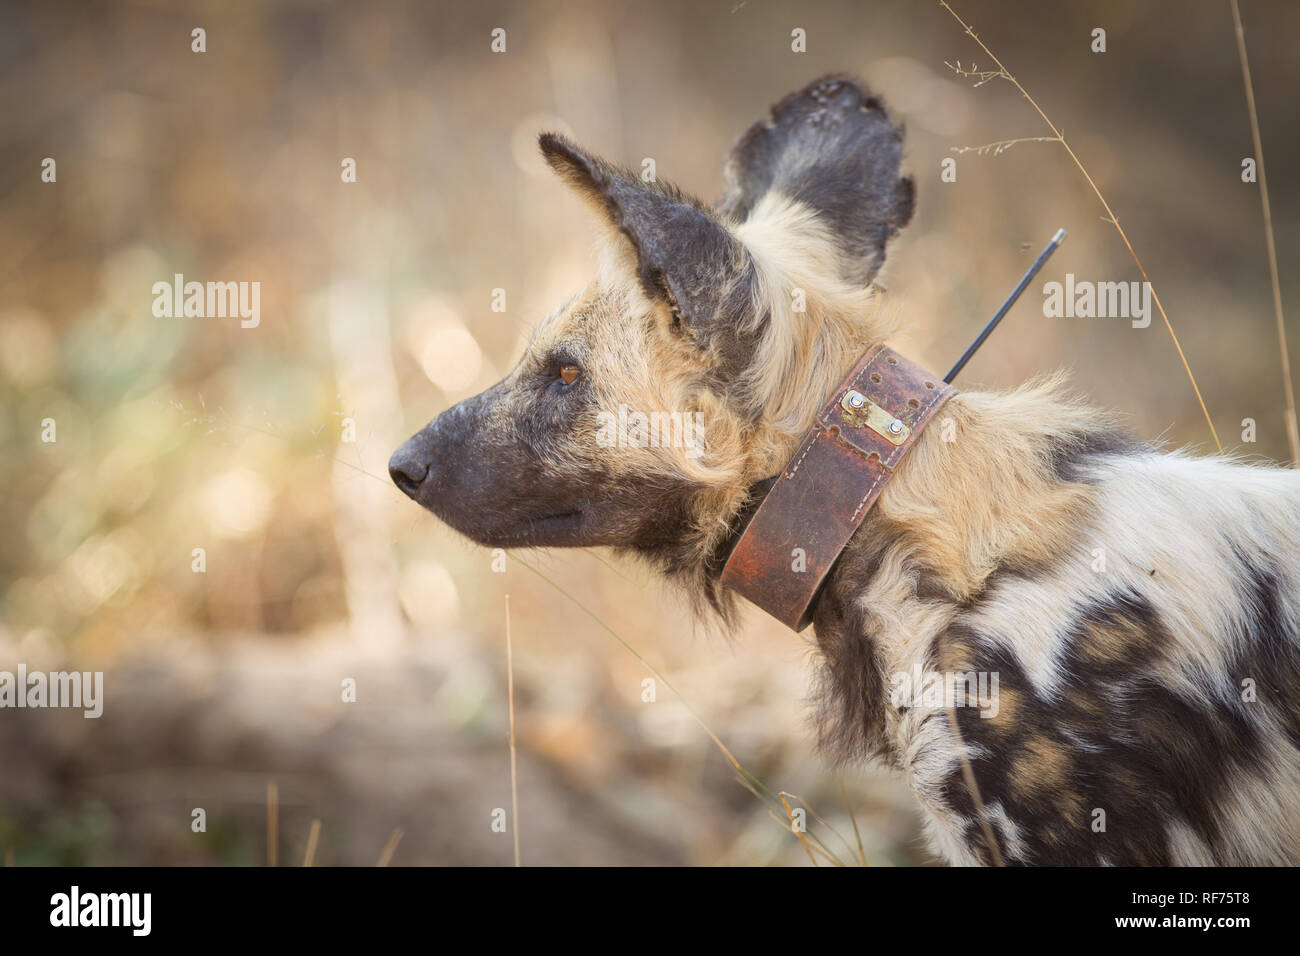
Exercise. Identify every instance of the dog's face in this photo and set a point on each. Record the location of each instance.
(540, 458)
(642, 396)
(534, 461)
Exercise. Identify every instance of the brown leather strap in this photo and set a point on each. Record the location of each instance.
(821, 498)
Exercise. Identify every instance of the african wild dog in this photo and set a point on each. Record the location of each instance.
(1162, 691)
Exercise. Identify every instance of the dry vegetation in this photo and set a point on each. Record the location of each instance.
(177, 434)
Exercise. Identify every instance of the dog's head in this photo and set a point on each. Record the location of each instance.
(644, 408)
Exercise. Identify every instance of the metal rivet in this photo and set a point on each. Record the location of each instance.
(856, 399)
(895, 427)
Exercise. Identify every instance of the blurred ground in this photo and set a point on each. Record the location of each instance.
(176, 434)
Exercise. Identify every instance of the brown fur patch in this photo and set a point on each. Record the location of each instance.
(1039, 766)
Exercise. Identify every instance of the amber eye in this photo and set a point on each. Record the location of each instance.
(569, 374)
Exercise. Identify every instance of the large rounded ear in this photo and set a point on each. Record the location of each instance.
(831, 147)
(684, 256)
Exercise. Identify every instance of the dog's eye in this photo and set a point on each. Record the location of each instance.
(569, 374)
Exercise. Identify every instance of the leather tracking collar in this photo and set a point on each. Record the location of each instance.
(817, 503)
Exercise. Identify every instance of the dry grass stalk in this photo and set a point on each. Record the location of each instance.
(386, 854)
(514, 774)
(313, 837)
(857, 835)
(272, 822)
(1002, 145)
(1293, 436)
(985, 76)
(855, 855)
(968, 773)
(796, 829)
(785, 824)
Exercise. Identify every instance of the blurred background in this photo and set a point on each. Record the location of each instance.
(267, 447)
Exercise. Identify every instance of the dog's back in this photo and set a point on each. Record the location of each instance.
(1144, 667)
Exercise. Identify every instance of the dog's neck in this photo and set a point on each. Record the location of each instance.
(1035, 435)
(864, 431)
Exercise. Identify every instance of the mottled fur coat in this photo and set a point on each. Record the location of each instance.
(1141, 610)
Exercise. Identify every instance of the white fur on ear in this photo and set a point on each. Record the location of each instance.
(812, 319)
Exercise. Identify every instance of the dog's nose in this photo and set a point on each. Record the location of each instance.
(408, 469)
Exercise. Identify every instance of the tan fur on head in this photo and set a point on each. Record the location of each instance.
(798, 359)
(1000, 452)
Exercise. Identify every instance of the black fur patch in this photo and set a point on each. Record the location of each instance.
(832, 147)
(1268, 649)
(1071, 452)
(1115, 738)
(850, 686)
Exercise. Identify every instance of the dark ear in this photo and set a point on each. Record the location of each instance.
(832, 147)
(685, 257)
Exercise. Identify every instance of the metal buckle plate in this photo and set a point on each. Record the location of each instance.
(856, 411)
